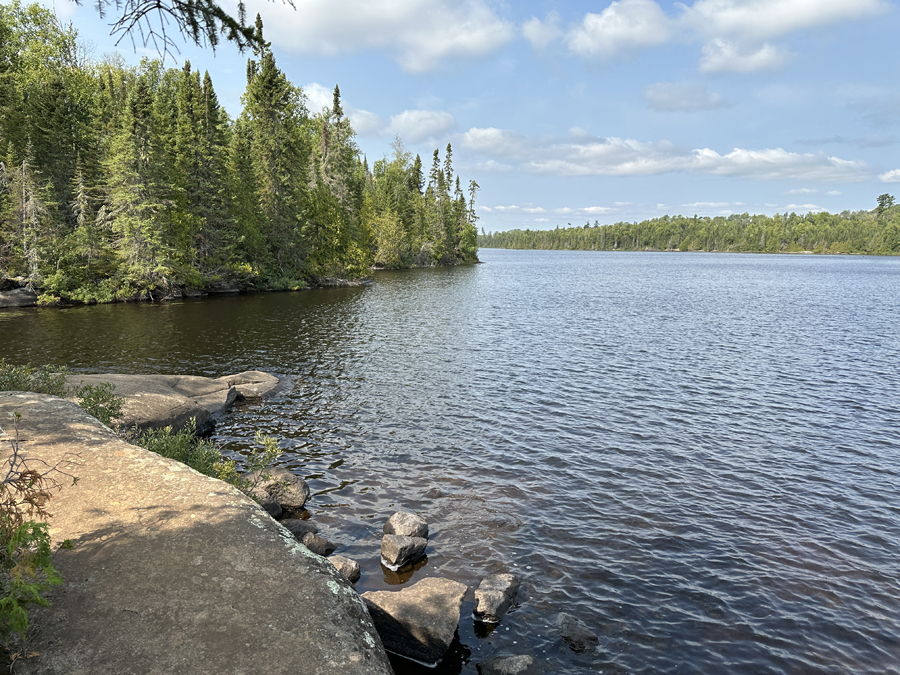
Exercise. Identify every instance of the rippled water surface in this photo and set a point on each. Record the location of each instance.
(697, 454)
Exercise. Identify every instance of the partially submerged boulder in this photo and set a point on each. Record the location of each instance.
(269, 504)
(398, 550)
(521, 664)
(407, 524)
(418, 622)
(18, 297)
(298, 527)
(494, 596)
(349, 568)
(317, 544)
(286, 488)
(575, 632)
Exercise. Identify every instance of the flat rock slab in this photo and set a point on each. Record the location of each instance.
(157, 401)
(18, 297)
(175, 572)
(494, 596)
(420, 621)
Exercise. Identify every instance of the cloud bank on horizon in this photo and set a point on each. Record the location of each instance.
(628, 108)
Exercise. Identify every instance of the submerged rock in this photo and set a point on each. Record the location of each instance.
(420, 621)
(398, 550)
(298, 527)
(521, 664)
(317, 544)
(495, 596)
(349, 568)
(407, 524)
(576, 633)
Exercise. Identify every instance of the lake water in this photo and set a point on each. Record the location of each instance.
(696, 454)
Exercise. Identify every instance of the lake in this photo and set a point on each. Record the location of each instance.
(696, 454)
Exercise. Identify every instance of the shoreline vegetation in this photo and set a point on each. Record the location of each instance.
(129, 183)
(874, 232)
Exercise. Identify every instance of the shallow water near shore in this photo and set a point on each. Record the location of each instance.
(696, 454)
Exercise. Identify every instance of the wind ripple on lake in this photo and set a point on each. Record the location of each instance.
(695, 454)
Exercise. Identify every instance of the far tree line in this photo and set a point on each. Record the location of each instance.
(874, 232)
(121, 182)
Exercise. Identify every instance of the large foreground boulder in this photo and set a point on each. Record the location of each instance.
(420, 621)
(175, 572)
(157, 401)
(494, 596)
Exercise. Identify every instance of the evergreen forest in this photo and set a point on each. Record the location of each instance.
(126, 182)
(871, 232)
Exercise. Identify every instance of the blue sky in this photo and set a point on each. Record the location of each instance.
(567, 112)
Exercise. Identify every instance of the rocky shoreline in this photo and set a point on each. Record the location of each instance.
(419, 622)
(19, 292)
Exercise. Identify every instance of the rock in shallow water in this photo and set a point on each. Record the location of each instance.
(289, 490)
(407, 524)
(494, 597)
(298, 527)
(349, 568)
(576, 633)
(398, 550)
(317, 544)
(420, 621)
(510, 665)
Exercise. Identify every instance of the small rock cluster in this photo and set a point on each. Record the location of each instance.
(418, 622)
(404, 541)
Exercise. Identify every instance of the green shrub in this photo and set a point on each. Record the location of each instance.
(26, 565)
(40, 379)
(205, 456)
(100, 401)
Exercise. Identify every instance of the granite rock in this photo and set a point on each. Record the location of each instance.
(418, 622)
(398, 550)
(494, 596)
(407, 524)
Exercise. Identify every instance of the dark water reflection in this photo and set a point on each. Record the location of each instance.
(696, 454)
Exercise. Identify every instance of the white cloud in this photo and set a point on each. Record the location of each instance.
(530, 208)
(542, 33)
(802, 191)
(723, 55)
(318, 97)
(710, 205)
(737, 34)
(419, 125)
(625, 26)
(834, 193)
(760, 20)
(365, 123)
(417, 34)
(492, 166)
(804, 207)
(629, 157)
(541, 220)
(892, 176)
(681, 97)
